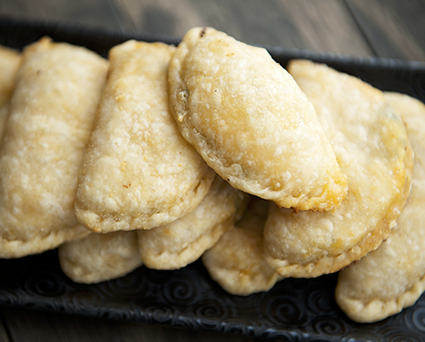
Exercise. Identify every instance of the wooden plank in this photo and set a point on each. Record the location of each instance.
(160, 16)
(327, 26)
(90, 13)
(393, 28)
(320, 25)
(35, 326)
(324, 25)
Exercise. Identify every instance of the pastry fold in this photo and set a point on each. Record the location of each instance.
(236, 262)
(372, 147)
(57, 91)
(183, 241)
(138, 171)
(251, 123)
(100, 257)
(393, 277)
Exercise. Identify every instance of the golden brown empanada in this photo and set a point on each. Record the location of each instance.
(393, 277)
(138, 171)
(100, 257)
(251, 123)
(9, 63)
(236, 261)
(183, 241)
(372, 148)
(57, 91)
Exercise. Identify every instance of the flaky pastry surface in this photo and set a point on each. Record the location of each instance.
(393, 277)
(236, 262)
(251, 123)
(138, 171)
(183, 241)
(372, 148)
(51, 113)
(100, 257)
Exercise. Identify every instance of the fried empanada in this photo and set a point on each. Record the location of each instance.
(236, 261)
(393, 277)
(9, 63)
(251, 123)
(57, 91)
(183, 241)
(372, 147)
(100, 257)
(138, 171)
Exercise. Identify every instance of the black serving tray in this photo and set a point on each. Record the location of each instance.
(293, 310)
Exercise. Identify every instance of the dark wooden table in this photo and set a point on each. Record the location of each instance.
(384, 28)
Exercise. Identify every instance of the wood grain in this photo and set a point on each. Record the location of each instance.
(387, 28)
(324, 25)
(393, 28)
(90, 13)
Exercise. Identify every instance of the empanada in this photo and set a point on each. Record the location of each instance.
(183, 241)
(9, 64)
(57, 91)
(138, 171)
(251, 123)
(100, 257)
(373, 150)
(393, 277)
(236, 261)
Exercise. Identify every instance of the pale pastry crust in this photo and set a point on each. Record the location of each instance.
(9, 63)
(393, 277)
(183, 241)
(236, 262)
(100, 257)
(57, 91)
(138, 171)
(251, 123)
(373, 150)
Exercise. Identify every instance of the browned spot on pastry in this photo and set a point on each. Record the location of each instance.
(202, 33)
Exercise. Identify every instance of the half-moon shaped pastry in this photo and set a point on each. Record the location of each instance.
(9, 63)
(138, 171)
(236, 262)
(251, 123)
(183, 241)
(393, 277)
(100, 257)
(57, 91)
(372, 147)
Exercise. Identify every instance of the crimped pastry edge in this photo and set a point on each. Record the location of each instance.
(370, 242)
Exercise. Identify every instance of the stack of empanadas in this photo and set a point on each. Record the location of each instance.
(161, 155)
(371, 144)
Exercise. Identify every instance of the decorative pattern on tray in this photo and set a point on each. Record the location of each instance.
(294, 310)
